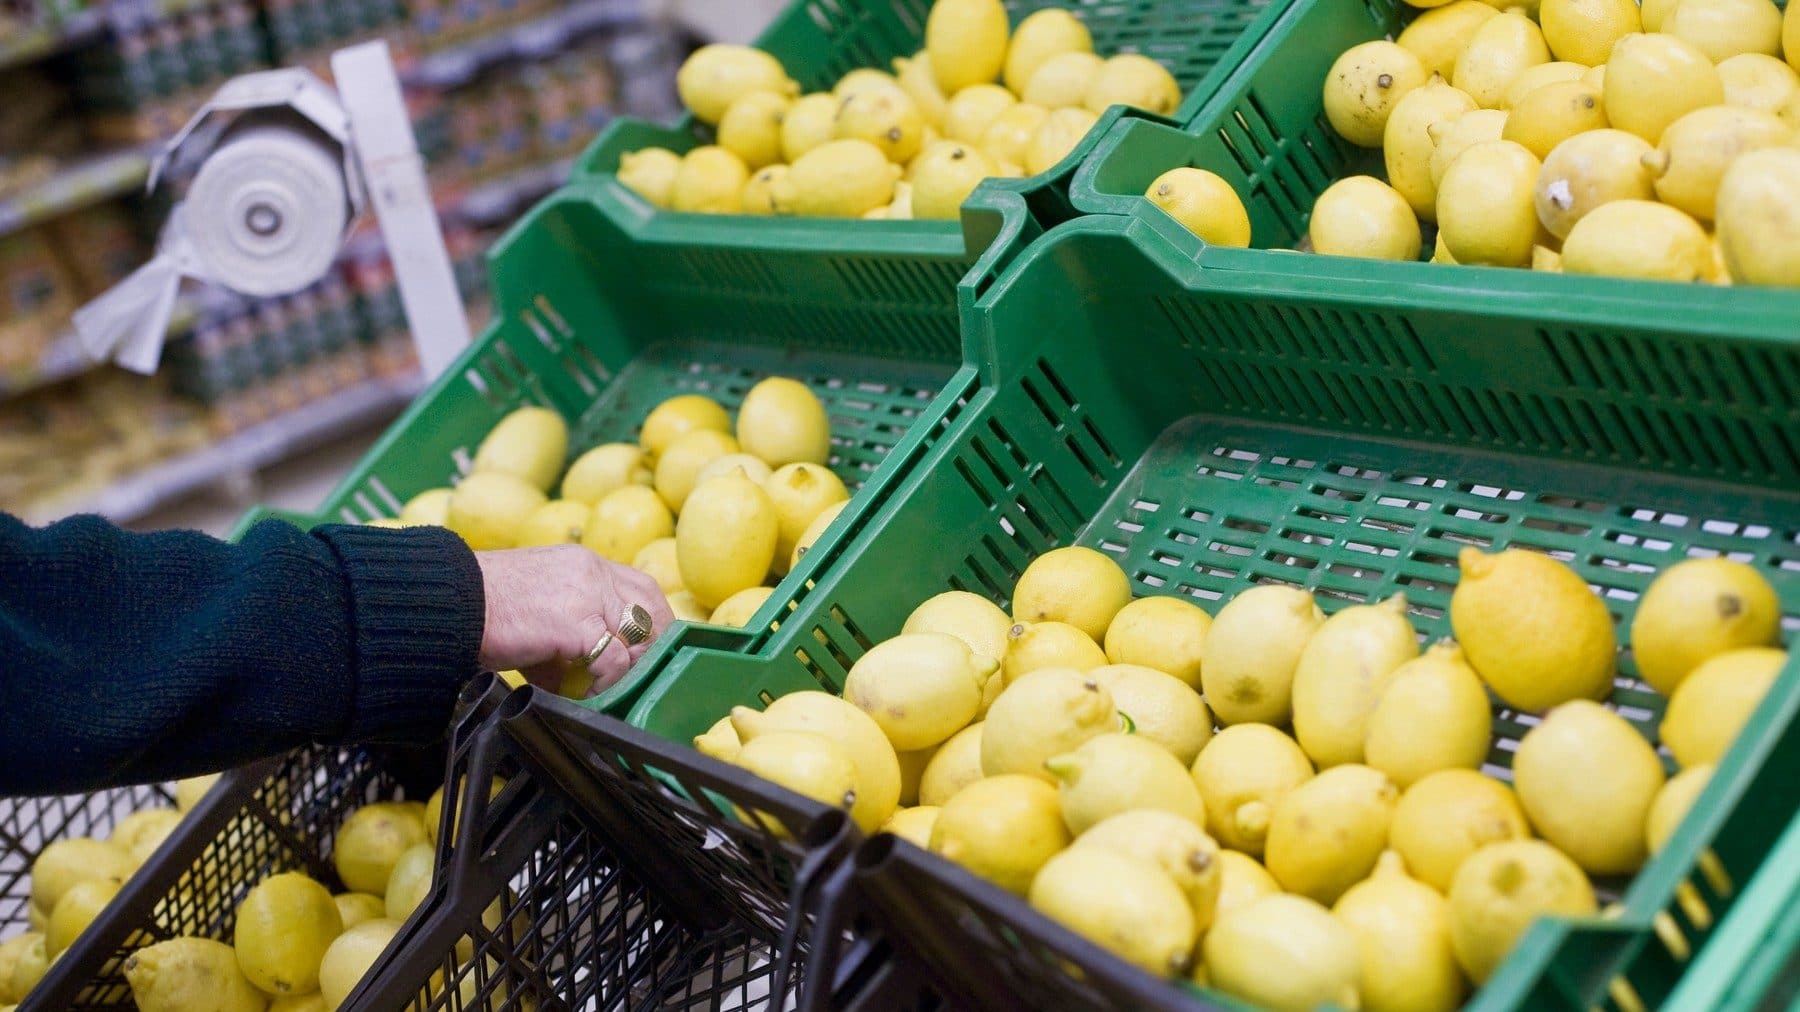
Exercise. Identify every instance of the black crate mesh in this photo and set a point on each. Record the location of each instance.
(28, 825)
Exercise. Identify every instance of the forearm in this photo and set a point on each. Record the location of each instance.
(136, 657)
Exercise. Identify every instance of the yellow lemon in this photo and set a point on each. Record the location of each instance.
(1449, 140)
(1407, 146)
(687, 608)
(837, 179)
(1790, 37)
(604, 469)
(1326, 834)
(1342, 672)
(1725, 28)
(1532, 629)
(371, 840)
(956, 764)
(650, 173)
(1696, 609)
(1079, 586)
(1546, 259)
(190, 975)
(190, 792)
(1242, 881)
(1361, 216)
(751, 128)
(1588, 170)
(1541, 75)
(1242, 774)
(658, 560)
(75, 911)
(1063, 81)
(863, 80)
(626, 521)
(877, 768)
(1448, 815)
(1432, 716)
(1504, 887)
(920, 688)
(1123, 903)
(1204, 204)
(1440, 254)
(1758, 234)
(799, 493)
(1181, 849)
(1133, 80)
(1673, 803)
(751, 466)
(1002, 828)
(29, 964)
(1504, 47)
(715, 76)
(815, 531)
(1043, 714)
(1584, 31)
(1285, 953)
(62, 864)
(912, 773)
(355, 908)
(141, 832)
(759, 190)
(667, 422)
(558, 522)
(806, 763)
(1164, 633)
(489, 510)
(808, 123)
(430, 508)
(678, 466)
(1654, 80)
(1040, 36)
(1038, 645)
(1161, 708)
(1113, 773)
(314, 1002)
(973, 109)
(1402, 929)
(725, 538)
(1486, 206)
(11, 951)
(1365, 84)
(916, 79)
(350, 956)
(1058, 135)
(284, 926)
(1586, 778)
(1251, 651)
(737, 610)
(1716, 700)
(944, 176)
(1654, 12)
(1553, 114)
(783, 422)
(720, 741)
(1696, 149)
(1006, 138)
(1438, 36)
(966, 42)
(530, 444)
(888, 118)
(1756, 81)
(913, 825)
(969, 617)
(1639, 239)
(710, 181)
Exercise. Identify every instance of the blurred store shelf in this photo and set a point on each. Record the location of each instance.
(79, 184)
(453, 67)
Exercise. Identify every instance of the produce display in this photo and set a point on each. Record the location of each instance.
(1586, 137)
(1291, 808)
(983, 99)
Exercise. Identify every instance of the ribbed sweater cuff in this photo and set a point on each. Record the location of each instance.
(418, 610)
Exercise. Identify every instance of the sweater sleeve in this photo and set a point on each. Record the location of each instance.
(136, 657)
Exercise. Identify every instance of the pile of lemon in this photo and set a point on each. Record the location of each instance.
(1600, 138)
(297, 947)
(981, 100)
(73, 880)
(1334, 840)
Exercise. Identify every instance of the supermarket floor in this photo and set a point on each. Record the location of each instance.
(301, 482)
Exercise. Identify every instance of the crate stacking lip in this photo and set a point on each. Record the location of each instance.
(1213, 431)
(1264, 131)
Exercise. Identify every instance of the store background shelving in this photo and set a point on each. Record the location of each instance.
(503, 95)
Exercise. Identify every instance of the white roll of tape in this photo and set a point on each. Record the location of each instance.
(267, 211)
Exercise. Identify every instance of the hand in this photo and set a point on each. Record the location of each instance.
(547, 607)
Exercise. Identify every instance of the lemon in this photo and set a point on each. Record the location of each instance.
(604, 469)
(1002, 828)
(434, 810)
(29, 964)
(626, 521)
(1654, 80)
(1500, 890)
(350, 956)
(190, 792)
(430, 508)
(1114, 773)
(1181, 849)
(1448, 815)
(1063, 81)
(1696, 149)
(355, 908)
(1716, 700)
(969, 617)
(189, 975)
(1286, 953)
(1450, 140)
(1531, 628)
(1122, 903)
(809, 122)
(62, 864)
(285, 924)
(1438, 36)
(1543, 258)
(1251, 650)
(1541, 75)
(667, 422)
(1134, 80)
(75, 911)
(1058, 135)
(1486, 205)
(1639, 239)
(10, 952)
(916, 79)
(557, 522)
(1361, 216)
(806, 763)
(783, 422)
(944, 176)
(1038, 645)
(371, 840)
(1039, 37)
(710, 181)
(1696, 609)
(489, 510)
(1432, 716)
(141, 832)
(1652, 13)
(678, 466)
(877, 768)
(685, 607)
(973, 109)
(1167, 634)
(1586, 779)
(1504, 47)
(1790, 38)
(912, 772)
(759, 190)
(1554, 113)
(751, 466)
(1588, 170)
(720, 741)
(1673, 803)
(1365, 84)
(1725, 28)
(715, 76)
(650, 173)
(1341, 674)
(1242, 774)
(1757, 231)
(1402, 929)
(657, 559)
(966, 41)
(956, 764)
(314, 1002)
(1043, 714)
(751, 127)
(1407, 145)
(814, 531)
(1584, 31)
(1440, 254)
(1242, 881)
(1075, 585)
(1204, 204)
(1006, 138)
(863, 80)
(737, 610)
(887, 118)
(725, 538)
(1325, 835)
(1756, 81)
(914, 825)
(921, 688)
(799, 493)
(837, 179)
(1162, 708)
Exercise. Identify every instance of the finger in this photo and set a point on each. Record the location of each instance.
(611, 665)
(634, 587)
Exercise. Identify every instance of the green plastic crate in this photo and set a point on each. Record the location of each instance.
(1215, 430)
(1754, 962)
(1264, 131)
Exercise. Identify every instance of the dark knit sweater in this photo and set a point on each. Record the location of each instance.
(128, 658)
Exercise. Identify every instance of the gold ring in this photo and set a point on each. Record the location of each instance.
(588, 659)
(634, 625)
